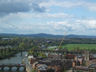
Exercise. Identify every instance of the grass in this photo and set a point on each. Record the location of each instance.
(77, 46)
(80, 46)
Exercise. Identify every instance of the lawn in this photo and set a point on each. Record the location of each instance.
(76, 46)
(80, 46)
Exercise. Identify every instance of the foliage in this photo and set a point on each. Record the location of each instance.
(36, 43)
(42, 55)
(33, 70)
(22, 45)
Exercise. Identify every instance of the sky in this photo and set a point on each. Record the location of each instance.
(48, 16)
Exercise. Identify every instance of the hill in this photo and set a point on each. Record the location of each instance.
(43, 35)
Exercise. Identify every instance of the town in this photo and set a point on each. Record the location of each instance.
(46, 55)
(56, 61)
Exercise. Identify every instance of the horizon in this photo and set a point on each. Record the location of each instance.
(55, 17)
(47, 34)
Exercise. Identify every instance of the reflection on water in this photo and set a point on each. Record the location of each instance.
(17, 59)
(12, 71)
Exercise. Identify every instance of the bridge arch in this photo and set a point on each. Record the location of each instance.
(12, 67)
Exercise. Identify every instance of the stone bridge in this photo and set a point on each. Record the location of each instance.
(10, 66)
(3, 51)
(58, 51)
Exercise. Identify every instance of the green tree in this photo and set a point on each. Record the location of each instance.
(22, 45)
(42, 55)
(33, 70)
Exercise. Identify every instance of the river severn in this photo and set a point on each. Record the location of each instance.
(17, 59)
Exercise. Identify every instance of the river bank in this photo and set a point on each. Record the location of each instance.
(16, 59)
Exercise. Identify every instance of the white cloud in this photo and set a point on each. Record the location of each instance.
(54, 23)
(85, 26)
(91, 6)
(22, 23)
(44, 15)
(70, 4)
(89, 23)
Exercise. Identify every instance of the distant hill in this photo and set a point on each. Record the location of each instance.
(43, 35)
(80, 36)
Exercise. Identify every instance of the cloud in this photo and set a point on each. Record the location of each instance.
(61, 26)
(66, 4)
(15, 6)
(78, 26)
(23, 21)
(91, 6)
(45, 15)
(88, 23)
(70, 4)
(46, 23)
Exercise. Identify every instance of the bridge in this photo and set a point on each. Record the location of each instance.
(11, 66)
(3, 51)
(57, 51)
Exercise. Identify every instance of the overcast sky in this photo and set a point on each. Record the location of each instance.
(48, 16)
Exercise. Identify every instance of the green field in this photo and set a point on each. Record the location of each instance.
(78, 46)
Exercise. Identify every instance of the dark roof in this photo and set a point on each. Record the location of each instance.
(81, 68)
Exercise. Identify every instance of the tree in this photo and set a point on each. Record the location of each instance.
(33, 70)
(22, 45)
(42, 55)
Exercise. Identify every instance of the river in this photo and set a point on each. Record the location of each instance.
(17, 59)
